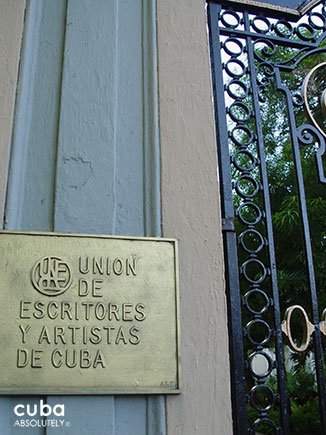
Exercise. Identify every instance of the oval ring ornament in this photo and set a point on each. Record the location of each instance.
(322, 99)
(322, 324)
(308, 329)
(323, 102)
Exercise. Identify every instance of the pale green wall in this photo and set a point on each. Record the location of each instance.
(85, 156)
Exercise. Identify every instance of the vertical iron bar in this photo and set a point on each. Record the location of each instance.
(319, 360)
(230, 240)
(281, 374)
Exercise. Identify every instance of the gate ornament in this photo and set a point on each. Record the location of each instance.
(308, 329)
(293, 7)
(315, 97)
(323, 323)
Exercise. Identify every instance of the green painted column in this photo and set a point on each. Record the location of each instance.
(85, 155)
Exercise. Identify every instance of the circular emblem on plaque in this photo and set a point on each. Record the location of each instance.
(51, 276)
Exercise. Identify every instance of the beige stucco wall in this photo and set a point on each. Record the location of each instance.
(11, 27)
(191, 212)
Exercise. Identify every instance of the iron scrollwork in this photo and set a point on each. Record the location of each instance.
(321, 99)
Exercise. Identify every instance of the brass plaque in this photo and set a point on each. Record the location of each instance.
(88, 314)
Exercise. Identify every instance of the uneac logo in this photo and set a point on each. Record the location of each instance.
(51, 276)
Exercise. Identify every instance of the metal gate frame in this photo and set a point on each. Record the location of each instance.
(244, 26)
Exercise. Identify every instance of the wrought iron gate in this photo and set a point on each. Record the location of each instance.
(269, 79)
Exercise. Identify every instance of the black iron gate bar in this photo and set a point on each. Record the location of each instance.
(230, 240)
(242, 27)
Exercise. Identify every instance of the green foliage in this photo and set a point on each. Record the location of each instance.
(301, 386)
(305, 419)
